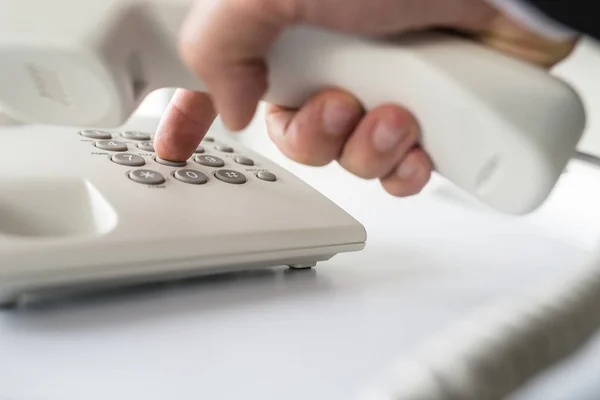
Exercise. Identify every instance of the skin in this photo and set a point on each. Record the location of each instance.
(382, 143)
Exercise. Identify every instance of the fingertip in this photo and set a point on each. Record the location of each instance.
(411, 176)
(187, 119)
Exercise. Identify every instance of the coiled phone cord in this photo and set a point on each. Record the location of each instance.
(492, 355)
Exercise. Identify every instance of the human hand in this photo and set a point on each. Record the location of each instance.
(225, 45)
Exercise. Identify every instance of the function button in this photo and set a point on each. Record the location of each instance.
(130, 160)
(147, 177)
(146, 146)
(111, 145)
(191, 176)
(266, 176)
(94, 134)
(199, 150)
(208, 139)
(229, 176)
(136, 135)
(224, 148)
(210, 161)
(170, 163)
(244, 160)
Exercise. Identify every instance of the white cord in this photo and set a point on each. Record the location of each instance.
(495, 353)
(498, 351)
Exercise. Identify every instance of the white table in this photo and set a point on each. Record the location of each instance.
(430, 261)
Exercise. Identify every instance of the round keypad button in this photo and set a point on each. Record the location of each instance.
(224, 148)
(136, 135)
(95, 134)
(170, 163)
(111, 145)
(146, 146)
(130, 160)
(230, 176)
(209, 161)
(244, 160)
(147, 177)
(190, 176)
(266, 176)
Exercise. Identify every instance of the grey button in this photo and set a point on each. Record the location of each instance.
(191, 176)
(244, 160)
(224, 148)
(147, 176)
(94, 134)
(111, 145)
(136, 135)
(229, 176)
(171, 163)
(146, 146)
(210, 161)
(130, 160)
(266, 176)
(208, 139)
(199, 149)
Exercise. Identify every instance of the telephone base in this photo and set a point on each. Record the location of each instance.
(97, 208)
(13, 299)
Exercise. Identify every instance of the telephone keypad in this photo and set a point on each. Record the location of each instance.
(202, 157)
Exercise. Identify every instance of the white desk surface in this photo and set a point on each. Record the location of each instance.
(430, 261)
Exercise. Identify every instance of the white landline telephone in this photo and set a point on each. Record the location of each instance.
(90, 203)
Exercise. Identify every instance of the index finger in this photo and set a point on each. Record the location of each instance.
(186, 121)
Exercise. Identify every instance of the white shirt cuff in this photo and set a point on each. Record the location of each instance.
(522, 11)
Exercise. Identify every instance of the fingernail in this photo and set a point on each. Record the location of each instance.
(386, 137)
(339, 118)
(406, 170)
